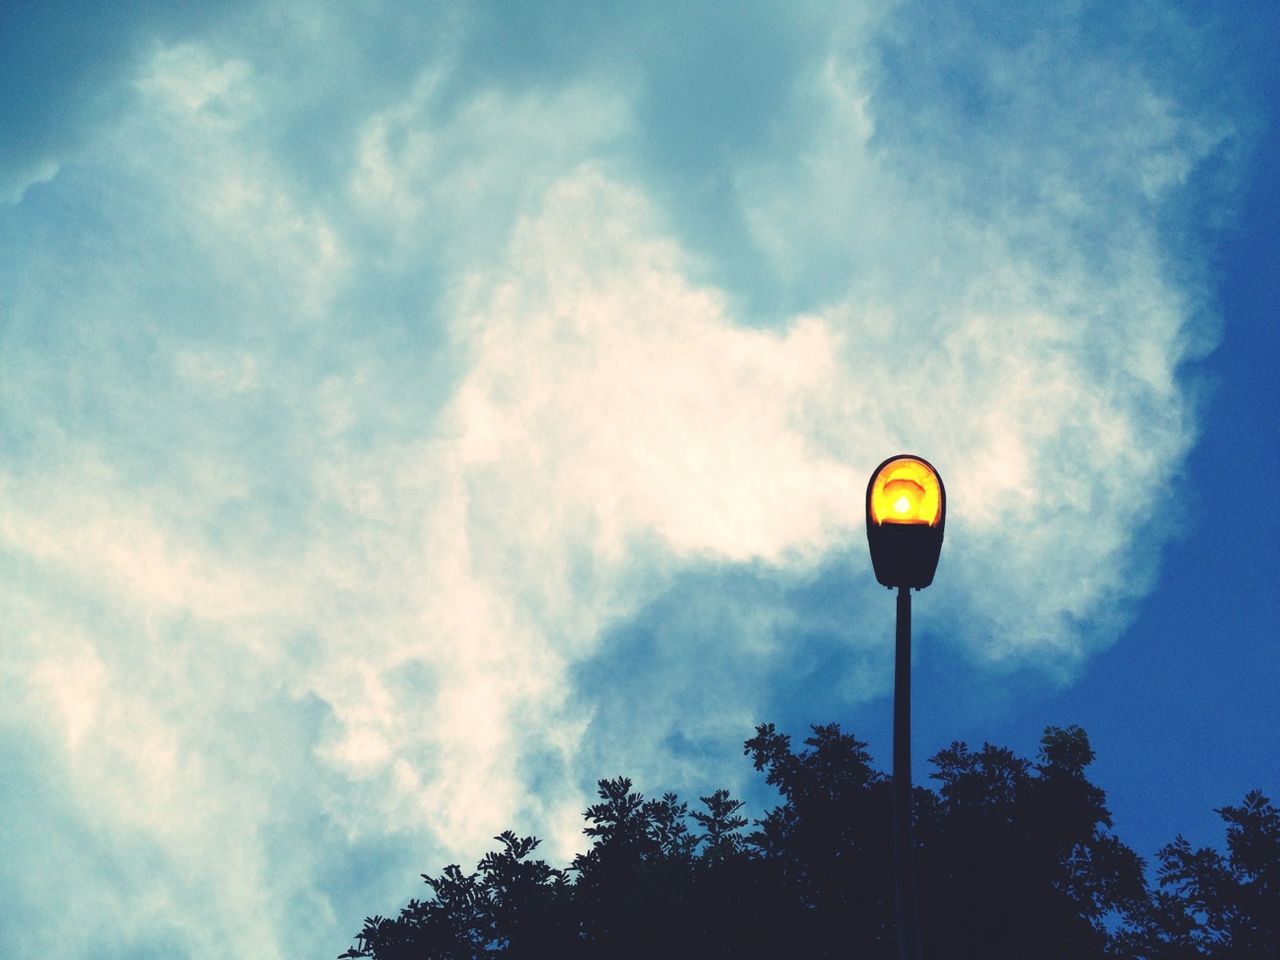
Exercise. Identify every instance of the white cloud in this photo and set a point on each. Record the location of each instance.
(22, 180)
(610, 393)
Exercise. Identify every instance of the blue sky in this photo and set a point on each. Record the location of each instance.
(407, 418)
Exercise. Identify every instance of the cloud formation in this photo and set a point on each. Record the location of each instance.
(386, 448)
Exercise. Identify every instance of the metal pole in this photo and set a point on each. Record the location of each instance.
(903, 854)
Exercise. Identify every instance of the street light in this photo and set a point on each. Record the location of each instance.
(906, 513)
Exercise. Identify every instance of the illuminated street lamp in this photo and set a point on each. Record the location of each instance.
(906, 512)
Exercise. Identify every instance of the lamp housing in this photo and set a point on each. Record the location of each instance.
(906, 514)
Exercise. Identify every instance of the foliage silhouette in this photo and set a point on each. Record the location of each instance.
(1016, 859)
(1208, 905)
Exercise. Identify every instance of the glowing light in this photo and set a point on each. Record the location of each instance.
(906, 491)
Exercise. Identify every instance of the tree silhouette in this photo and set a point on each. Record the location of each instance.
(1016, 859)
(1208, 905)
(827, 847)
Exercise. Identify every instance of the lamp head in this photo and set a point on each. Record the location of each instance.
(906, 513)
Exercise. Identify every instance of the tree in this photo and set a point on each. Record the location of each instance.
(1214, 906)
(1016, 859)
(826, 849)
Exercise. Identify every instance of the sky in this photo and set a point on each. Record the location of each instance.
(409, 416)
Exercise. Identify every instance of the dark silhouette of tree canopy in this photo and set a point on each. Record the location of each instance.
(1015, 859)
(1208, 905)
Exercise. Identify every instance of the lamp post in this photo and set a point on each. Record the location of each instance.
(906, 512)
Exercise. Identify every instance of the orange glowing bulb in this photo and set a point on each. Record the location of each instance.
(906, 491)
